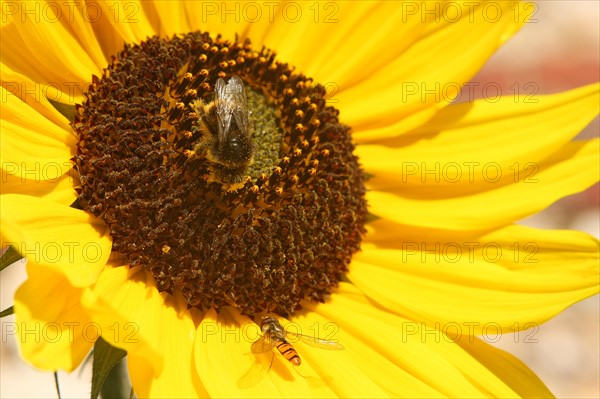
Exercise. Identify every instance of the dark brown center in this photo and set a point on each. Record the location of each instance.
(281, 229)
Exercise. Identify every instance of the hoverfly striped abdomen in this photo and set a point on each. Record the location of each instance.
(275, 336)
(289, 352)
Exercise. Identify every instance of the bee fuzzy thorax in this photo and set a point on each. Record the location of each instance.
(226, 132)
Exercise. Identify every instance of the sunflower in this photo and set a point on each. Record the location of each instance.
(360, 204)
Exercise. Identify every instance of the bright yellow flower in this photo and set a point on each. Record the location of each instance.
(442, 261)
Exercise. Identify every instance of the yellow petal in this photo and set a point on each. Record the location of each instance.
(54, 332)
(431, 71)
(155, 329)
(100, 30)
(227, 367)
(65, 240)
(366, 82)
(299, 28)
(429, 355)
(59, 190)
(31, 31)
(36, 151)
(241, 19)
(512, 279)
(120, 22)
(360, 370)
(464, 141)
(171, 17)
(32, 146)
(79, 18)
(393, 128)
(511, 370)
(36, 96)
(569, 171)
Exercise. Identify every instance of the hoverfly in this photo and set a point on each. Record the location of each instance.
(274, 336)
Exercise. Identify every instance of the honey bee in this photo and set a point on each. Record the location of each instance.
(274, 336)
(226, 140)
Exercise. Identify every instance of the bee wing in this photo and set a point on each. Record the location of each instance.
(231, 103)
(263, 344)
(223, 107)
(316, 342)
(239, 98)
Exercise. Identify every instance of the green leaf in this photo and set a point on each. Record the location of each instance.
(371, 217)
(7, 312)
(76, 204)
(105, 359)
(67, 110)
(10, 256)
(117, 384)
(368, 176)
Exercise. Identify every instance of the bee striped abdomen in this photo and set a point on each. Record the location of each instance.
(288, 351)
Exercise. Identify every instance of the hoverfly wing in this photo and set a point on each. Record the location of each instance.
(263, 344)
(317, 342)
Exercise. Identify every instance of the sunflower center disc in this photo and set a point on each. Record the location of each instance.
(261, 237)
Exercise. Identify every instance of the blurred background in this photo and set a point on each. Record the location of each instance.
(557, 52)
